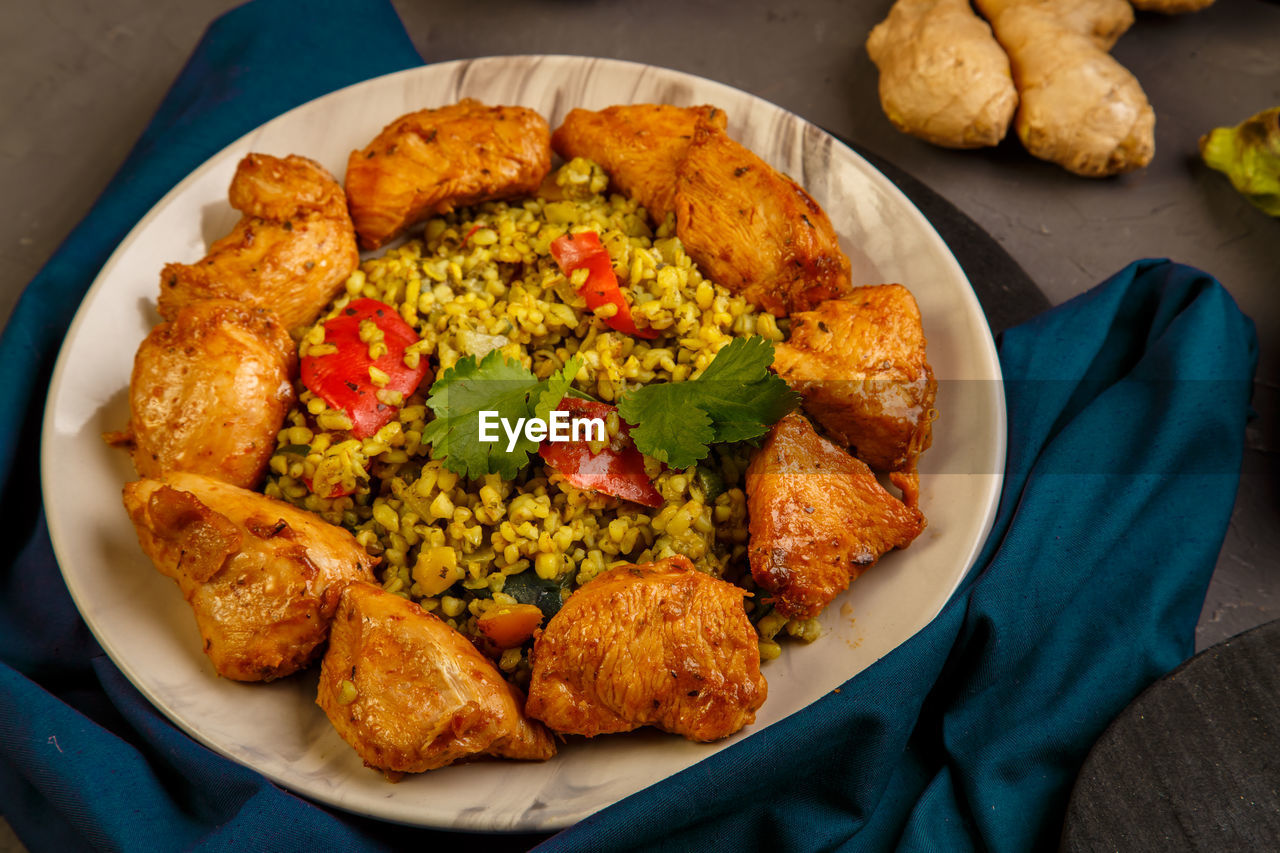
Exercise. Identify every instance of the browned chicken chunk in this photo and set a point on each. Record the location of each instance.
(859, 362)
(431, 161)
(210, 390)
(262, 576)
(639, 145)
(412, 694)
(660, 644)
(754, 230)
(819, 518)
(290, 253)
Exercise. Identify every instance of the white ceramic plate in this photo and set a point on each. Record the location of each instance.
(139, 616)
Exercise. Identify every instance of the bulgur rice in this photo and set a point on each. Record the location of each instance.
(482, 279)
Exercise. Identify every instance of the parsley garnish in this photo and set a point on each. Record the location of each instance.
(736, 398)
(492, 384)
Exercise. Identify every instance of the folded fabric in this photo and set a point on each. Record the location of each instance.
(1126, 411)
(1126, 420)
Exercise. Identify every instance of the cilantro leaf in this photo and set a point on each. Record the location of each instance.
(747, 411)
(735, 398)
(493, 384)
(666, 424)
(555, 387)
(742, 360)
(458, 397)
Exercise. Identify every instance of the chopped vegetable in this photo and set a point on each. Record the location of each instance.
(1249, 154)
(711, 481)
(736, 398)
(338, 490)
(365, 344)
(301, 450)
(585, 251)
(617, 469)
(437, 569)
(492, 384)
(528, 588)
(508, 626)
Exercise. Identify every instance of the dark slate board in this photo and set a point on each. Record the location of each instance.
(1007, 293)
(1193, 763)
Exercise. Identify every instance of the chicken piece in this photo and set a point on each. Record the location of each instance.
(660, 644)
(859, 363)
(1079, 107)
(209, 392)
(943, 76)
(753, 230)
(818, 519)
(639, 145)
(290, 253)
(412, 694)
(262, 576)
(429, 162)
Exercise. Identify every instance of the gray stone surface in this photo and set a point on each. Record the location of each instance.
(1149, 787)
(82, 78)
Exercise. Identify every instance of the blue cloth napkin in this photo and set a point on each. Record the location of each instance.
(1126, 420)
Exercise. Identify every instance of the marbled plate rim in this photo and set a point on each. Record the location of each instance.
(536, 815)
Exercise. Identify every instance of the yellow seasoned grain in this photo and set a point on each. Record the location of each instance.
(452, 544)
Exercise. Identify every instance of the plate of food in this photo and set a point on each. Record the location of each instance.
(519, 432)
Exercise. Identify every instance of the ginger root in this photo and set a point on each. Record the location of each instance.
(1171, 7)
(1104, 21)
(1080, 108)
(943, 76)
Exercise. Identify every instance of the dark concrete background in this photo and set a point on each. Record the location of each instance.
(81, 79)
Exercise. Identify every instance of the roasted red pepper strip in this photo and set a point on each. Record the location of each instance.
(342, 378)
(618, 469)
(576, 251)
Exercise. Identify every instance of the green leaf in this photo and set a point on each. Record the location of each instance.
(735, 399)
(555, 387)
(749, 410)
(493, 384)
(666, 424)
(458, 397)
(742, 360)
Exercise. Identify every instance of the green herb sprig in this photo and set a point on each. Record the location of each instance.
(735, 399)
(491, 384)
